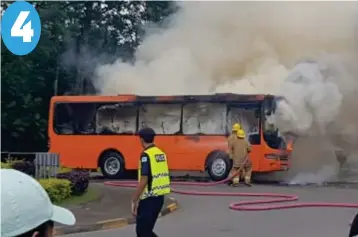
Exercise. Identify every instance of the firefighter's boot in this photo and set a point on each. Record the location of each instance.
(247, 181)
(236, 180)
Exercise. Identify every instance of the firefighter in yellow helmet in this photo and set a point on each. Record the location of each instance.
(239, 148)
(236, 127)
(231, 141)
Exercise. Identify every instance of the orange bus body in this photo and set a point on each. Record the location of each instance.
(185, 152)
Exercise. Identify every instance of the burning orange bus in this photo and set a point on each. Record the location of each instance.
(101, 131)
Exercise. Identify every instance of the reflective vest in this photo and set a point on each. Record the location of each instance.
(160, 173)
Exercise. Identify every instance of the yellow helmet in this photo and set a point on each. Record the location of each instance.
(240, 133)
(236, 127)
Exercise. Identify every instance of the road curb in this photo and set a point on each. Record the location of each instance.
(112, 223)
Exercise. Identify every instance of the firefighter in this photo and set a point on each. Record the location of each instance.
(245, 159)
(153, 185)
(239, 149)
(231, 141)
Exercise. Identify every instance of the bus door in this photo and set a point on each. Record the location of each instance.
(276, 154)
(248, 116)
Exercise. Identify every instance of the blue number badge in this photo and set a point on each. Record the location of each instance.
(20, 28)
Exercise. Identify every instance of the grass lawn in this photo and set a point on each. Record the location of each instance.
(90, 195)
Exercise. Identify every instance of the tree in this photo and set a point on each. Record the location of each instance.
(27, 84)
(157, 11)
(75, 37)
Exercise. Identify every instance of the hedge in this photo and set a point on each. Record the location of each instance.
(79, 180)
(57, 189)
(67, 183)
(26, 167)
(5, 165)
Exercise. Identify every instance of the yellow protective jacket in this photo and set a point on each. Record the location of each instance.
(238, 149)
(160, 178)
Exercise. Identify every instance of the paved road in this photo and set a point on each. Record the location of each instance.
(101, 209)
(210, 216)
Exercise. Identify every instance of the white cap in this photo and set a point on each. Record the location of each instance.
(25, 205)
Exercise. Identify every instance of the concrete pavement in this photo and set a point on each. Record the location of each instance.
(110, 210)
(103, 208)
(210, 216)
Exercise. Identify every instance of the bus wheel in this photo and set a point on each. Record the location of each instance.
(112, 165)
(218, 165)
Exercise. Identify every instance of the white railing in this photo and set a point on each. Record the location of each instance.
(46, 164)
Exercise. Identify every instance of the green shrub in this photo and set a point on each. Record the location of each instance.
(29, 168)
(63, 170)
(57, 189)
(24, 166)
(9, 163)
(5, 165)
(79, 180)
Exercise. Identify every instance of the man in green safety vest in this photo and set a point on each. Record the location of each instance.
(153, 185)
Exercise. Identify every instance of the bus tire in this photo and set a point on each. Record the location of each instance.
(112, 165)
(218, 165)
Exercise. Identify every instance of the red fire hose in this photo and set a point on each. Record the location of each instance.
(255, 205)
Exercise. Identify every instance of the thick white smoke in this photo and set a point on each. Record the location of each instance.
(256, 47)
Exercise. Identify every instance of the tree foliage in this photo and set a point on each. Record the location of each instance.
(74, 37)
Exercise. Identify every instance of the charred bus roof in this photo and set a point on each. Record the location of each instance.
(219, 97)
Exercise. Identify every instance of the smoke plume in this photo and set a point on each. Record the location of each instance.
(304, 51)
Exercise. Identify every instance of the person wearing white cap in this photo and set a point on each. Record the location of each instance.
(26, 209)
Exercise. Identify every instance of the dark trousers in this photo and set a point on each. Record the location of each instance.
(147, 215)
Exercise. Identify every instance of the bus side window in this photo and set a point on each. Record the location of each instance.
(83, 117)
(204, 119)
(63, 123)
(74, 118)
(162, 118)
(116, 119)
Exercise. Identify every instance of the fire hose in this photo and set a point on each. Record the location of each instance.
(252, 205)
